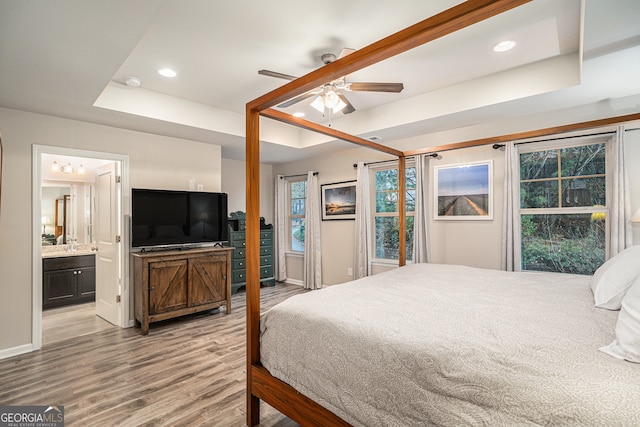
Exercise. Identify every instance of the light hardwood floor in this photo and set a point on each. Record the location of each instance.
(186, 372)
(62, 323)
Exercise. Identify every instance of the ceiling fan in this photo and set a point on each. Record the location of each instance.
(330, 96)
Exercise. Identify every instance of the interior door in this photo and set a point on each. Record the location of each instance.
(107, 232)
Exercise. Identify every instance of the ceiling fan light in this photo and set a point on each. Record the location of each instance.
(331, 99)
(318, 104)
(340, 106)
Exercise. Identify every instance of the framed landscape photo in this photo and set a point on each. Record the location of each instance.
(464, 191)
(339, 200)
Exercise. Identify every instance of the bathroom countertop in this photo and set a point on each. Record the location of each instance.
(57, 252)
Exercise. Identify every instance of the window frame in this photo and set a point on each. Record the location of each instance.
(410, 163)
(290, 216)
(578, 141)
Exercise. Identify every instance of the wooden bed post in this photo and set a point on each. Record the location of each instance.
(402, 214)
(253, 258)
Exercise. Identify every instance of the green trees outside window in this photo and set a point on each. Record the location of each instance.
(297, 196)
(386, 224)
(563, 209)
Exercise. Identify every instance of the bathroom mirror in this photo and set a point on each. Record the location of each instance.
(66, 213)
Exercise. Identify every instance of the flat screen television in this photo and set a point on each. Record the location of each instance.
(175, 218)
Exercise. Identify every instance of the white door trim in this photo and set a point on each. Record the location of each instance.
(125, 203)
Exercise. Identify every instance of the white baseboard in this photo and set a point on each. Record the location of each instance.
(294, 282)
(15, 351)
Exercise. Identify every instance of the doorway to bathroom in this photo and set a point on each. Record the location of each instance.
(79, 279)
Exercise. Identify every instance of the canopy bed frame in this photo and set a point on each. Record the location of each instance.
(261, 385)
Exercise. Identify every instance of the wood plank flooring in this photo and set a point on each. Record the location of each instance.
(62, 323)
(186, 372)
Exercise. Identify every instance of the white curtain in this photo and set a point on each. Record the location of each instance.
(362, 224)
(421, 251)
(510, 213)
(621, 235)
(312, 244)
(281, 229)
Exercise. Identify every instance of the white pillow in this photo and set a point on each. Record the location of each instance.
(627, 343)
(611, 281)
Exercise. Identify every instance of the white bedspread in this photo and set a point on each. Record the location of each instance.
(431, 344)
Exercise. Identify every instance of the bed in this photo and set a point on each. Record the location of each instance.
(306, 405)
(430, 344)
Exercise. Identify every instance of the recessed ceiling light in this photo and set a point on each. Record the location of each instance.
(298, 114)
(167, 72)
(504, 46)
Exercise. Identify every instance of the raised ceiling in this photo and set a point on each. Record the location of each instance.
(69, 58)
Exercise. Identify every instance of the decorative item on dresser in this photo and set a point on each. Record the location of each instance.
(237, 239)
(173, 283)
(68, 280)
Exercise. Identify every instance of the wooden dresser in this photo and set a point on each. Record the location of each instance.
(237, 239)
(173, 283)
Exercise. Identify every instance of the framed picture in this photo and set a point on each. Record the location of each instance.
(464, 191)
(339, 200)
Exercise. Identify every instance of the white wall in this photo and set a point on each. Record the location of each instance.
(234, 179)
(155, 162)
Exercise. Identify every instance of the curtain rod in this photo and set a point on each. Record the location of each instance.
(497, 146)
(294, 176)
(434, 155)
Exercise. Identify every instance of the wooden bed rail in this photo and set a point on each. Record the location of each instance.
(261, 385)
(290, 402)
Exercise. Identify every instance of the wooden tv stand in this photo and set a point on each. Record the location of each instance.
(169, 284)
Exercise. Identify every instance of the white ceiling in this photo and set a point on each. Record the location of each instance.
(68, 58)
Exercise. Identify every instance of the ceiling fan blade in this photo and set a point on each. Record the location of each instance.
(276, 74)
(349, 108)
(345, 51)
(376, 87)
(297, 99)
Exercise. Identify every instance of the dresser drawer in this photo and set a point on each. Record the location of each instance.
(265, 250)
(237, 239)
(266, 234)
(241, 264)
(239, 276)
(265, 242)
(266, 271)
(239, 253)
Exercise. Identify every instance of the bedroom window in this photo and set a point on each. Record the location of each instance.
(563, 211)
(385, 211)
(297, 191)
